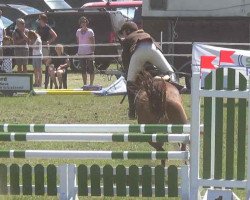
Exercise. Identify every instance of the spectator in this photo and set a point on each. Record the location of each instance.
(20, 38)
(58, 66)
(2, 34)
(36, 42)
(8, 52)
(139, 48)
(48, 36)
(86, 40)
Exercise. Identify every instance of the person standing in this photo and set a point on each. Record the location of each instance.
(48, 36)
(36, 42)
(138, 49)
(21, 48)
(2, 35)
(86, 47)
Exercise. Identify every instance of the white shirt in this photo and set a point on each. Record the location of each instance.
(85, 38)
(37, 49)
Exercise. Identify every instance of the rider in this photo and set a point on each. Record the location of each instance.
(138, 49)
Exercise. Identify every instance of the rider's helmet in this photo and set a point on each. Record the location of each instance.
(129, 27)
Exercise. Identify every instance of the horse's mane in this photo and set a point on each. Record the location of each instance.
(156, 92)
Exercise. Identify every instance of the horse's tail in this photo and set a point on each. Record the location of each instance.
(156, 92)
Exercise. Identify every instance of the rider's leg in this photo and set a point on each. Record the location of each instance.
(131, 100)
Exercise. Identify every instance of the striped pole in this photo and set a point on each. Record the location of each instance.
(94, 137)
(65, 92)
(97, 128)
(104, 155)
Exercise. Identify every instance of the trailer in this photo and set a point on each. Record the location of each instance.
(224, 21)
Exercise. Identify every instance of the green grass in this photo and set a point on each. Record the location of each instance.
(71, 109)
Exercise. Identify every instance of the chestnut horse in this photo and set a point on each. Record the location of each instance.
(158, 102)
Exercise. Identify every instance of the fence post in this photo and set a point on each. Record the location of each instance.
(68, 190)
(185, 182)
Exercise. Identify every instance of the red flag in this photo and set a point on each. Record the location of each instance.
(206, 62)
(225, 56)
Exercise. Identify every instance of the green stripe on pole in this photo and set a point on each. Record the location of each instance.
(117, 155)
(18, 128)
(39, 128)
(19, 154)
(5, 137)
(4, 154)
(161, 138)
(134, 128)
(155, 128)
(161, 155)
(177, 128)
(242, 127)
(135, 155)
(20, 136)
(230, 127)
(218, 126)
(139, 138)
(1, 128)
(117, 137)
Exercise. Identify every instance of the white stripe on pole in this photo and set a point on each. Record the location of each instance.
(11, 153)
(5, 127)
(186, 128)
(12, 136)
(142, 128)
(125, 155)
(178, 137)
(153, 155)
(126, 137)
(32, 127)
(169, 128)
(154, 137)
(94, 128)
(178, 155)
(68, 154)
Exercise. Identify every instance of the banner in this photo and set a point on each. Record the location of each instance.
(206, 58)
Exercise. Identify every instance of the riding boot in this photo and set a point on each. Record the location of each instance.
(131, 101)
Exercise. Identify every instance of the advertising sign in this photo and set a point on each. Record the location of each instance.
(16, 82)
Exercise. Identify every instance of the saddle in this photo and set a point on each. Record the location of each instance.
(171, 77)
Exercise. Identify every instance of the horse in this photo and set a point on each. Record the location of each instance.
(157, 101)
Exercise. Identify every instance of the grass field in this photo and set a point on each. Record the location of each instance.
(72, 109)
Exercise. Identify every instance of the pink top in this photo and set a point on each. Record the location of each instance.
(85, 38)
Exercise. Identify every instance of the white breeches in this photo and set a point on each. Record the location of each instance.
(147, 52)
